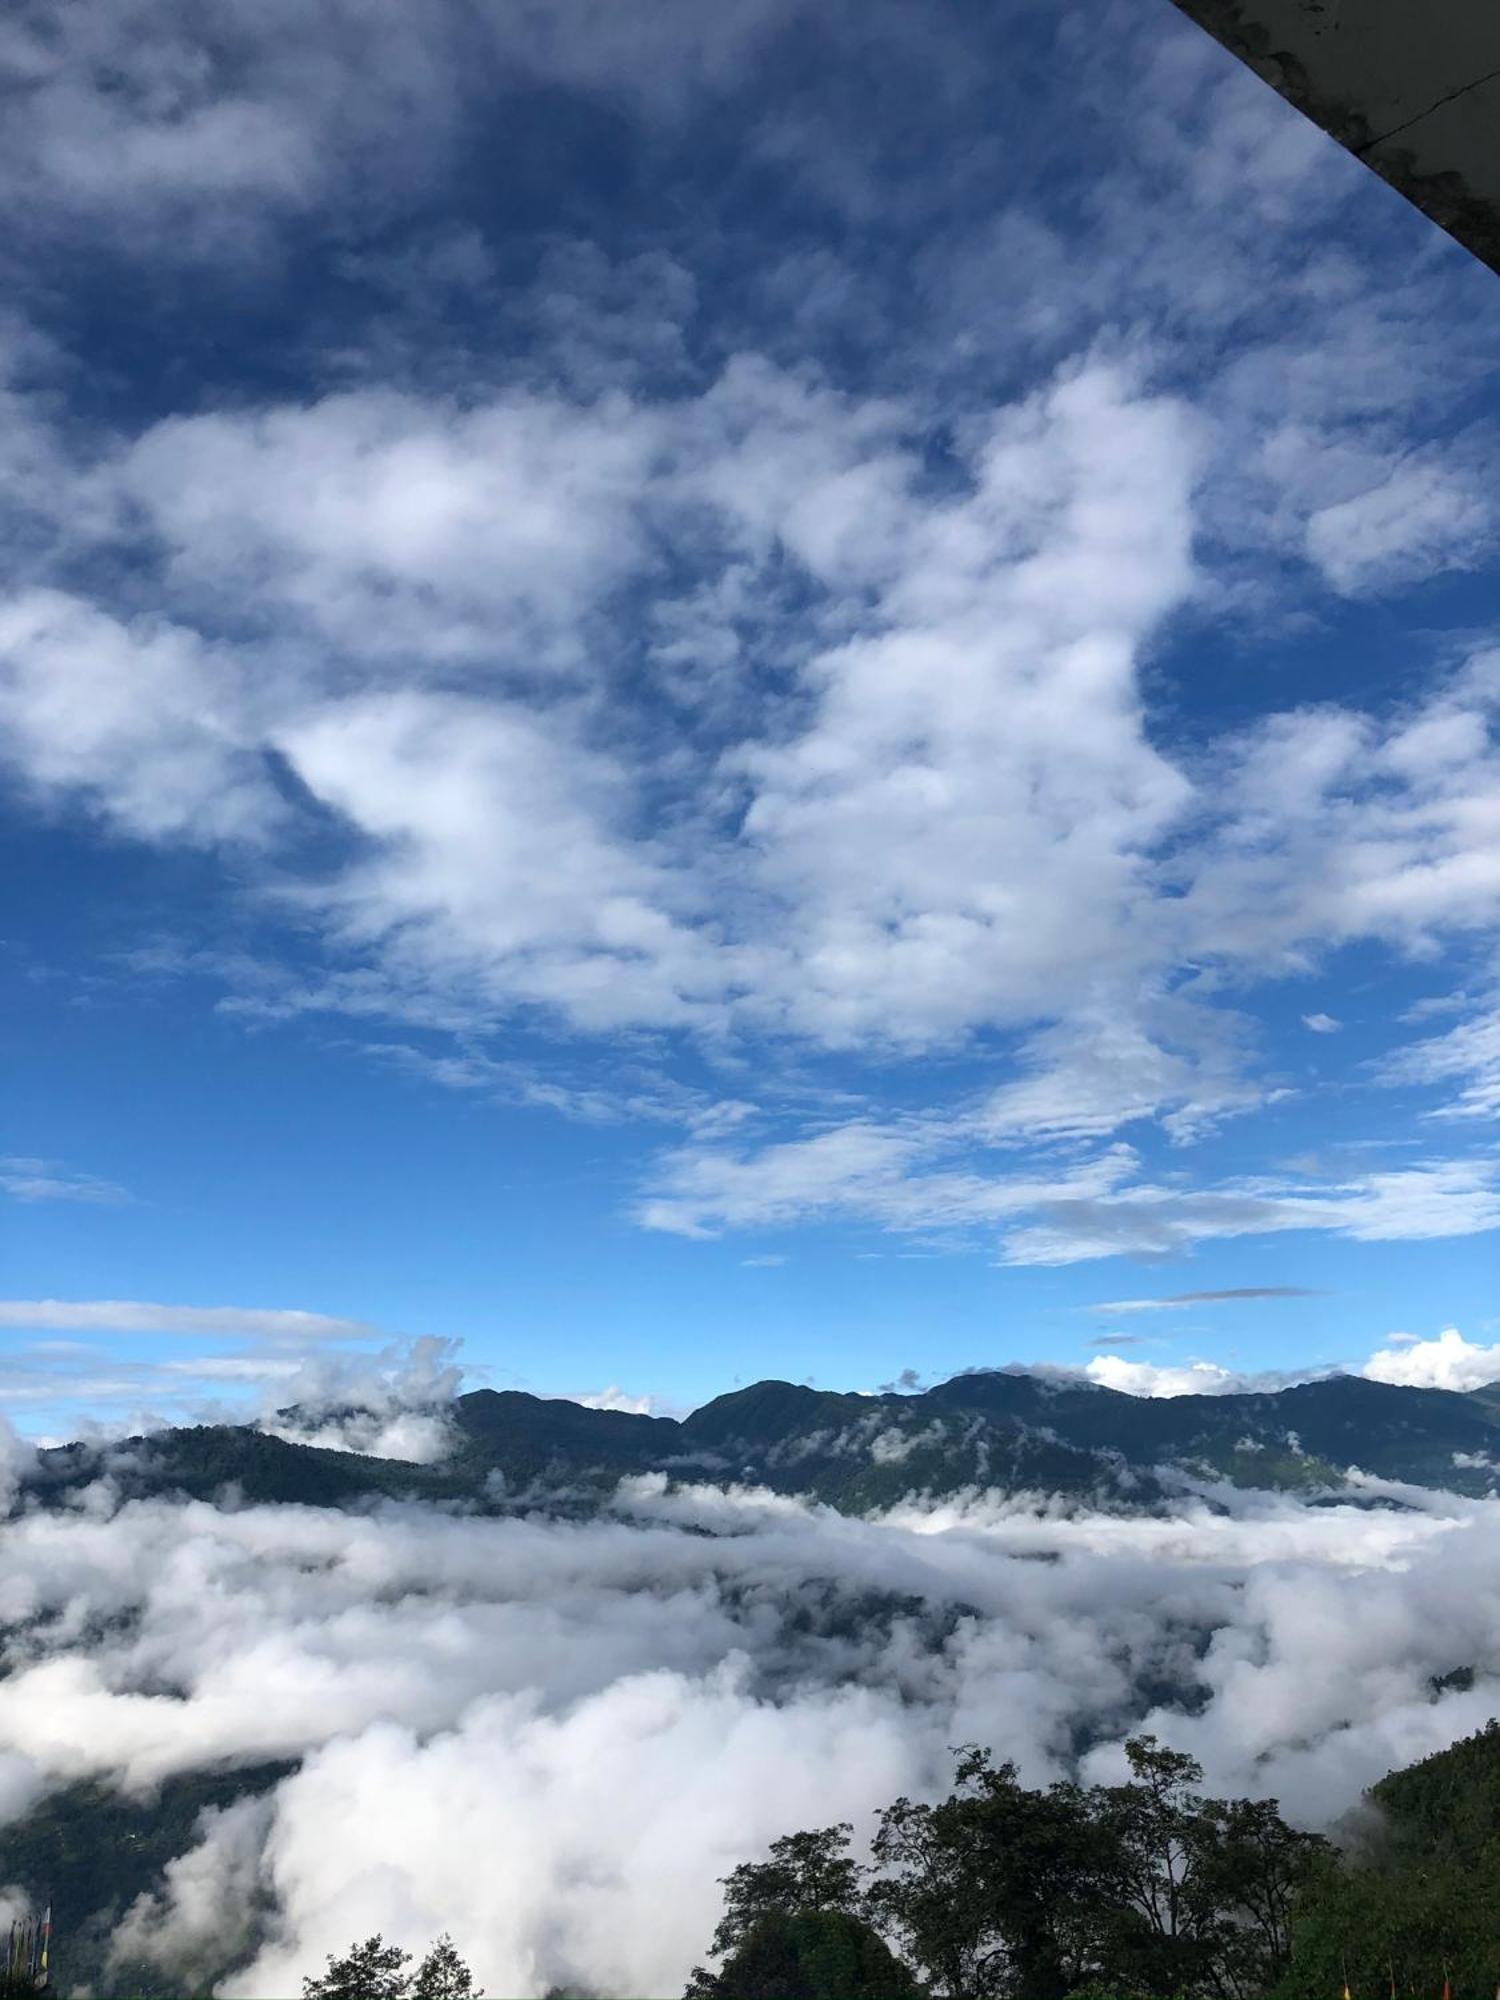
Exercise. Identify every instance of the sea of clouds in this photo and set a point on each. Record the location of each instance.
(552, 1737)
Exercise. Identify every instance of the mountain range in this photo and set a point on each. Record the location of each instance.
(1001, 1429)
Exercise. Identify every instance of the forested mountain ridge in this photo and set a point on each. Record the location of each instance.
(1003, 1430)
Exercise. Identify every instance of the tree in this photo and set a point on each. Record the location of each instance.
(807, 1954)
(1249, 1867)
(376, 1970)
(805, 1871)
(373, 1970)
(991, 1892)
(1203, 1887)
(442, 1975)
(1149, 1824)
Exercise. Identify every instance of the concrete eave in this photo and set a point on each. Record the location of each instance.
(1410, 87)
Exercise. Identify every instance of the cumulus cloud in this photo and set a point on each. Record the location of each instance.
(1188, 1378)
(144, 721)
(1448, 1362)
(610, 1714)
(957, 815)
(197, 135)
(393, 1402)
(643, 664)
(924, 855)
(1334, 826)
(370, 511)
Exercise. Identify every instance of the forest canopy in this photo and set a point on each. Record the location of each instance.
(1142, 1890)
(1145, 1890)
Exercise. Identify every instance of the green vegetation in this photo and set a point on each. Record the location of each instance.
(1417, 1895)
(794, 1955)
(90, 1852)
(857, 1453)
(1145, 1890)
(376, 1970)
(1141, 1891)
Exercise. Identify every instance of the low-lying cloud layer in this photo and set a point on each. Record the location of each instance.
(551, 1737)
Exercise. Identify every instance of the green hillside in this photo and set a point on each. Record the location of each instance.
(1418, 1898)
(90, 1851)
(1011, 1431)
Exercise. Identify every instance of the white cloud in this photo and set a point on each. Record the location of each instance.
(390, 1401)
(928, 1175)
(44, 1180)
(394, 524)
(1421, 520)
(962, 828)
(1148, 1378)
(616, 1398)
(1189, 1301)
(197, 133)
(1435, 1198)
(1331, 828)
(494, 873)
(1321, 1024)
(958, 818)
(960, 823)
(17, 1457)
(886, 1174)
(203, 1911)
(916, 794)
(1112, 1062)
(419, 1437)
(1448, 1362)
(143, 720)
(1467, 1055)
(612, 1714)
(141, 1316)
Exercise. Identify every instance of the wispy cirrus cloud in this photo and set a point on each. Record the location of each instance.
(25, 1179)
(1181, 1301)
(1467, 1055)
(137, 1316)
(927, 1176)
(1435, 1199)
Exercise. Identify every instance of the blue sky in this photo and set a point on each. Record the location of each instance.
(690, 694)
